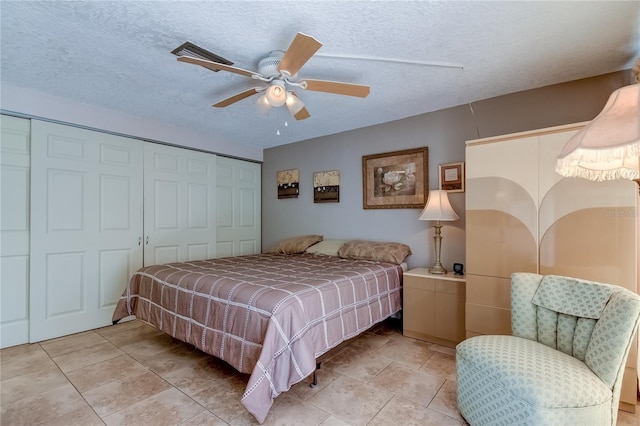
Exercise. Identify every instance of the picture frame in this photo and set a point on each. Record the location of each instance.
(326, 187)
(451, 177)
(396, 180)
(288, 183)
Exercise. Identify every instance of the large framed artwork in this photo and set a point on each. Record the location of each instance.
(396, 180)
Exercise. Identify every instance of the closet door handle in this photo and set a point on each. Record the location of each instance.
(139, 241)
(147, 241)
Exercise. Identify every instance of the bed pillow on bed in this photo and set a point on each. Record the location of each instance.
(296, 244)
(379, 252)
(327, 247)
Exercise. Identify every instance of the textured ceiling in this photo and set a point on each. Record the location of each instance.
(116, 55)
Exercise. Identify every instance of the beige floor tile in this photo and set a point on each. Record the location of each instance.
(304, 391)
(173, 358)
(334, 352)
(32, 384)
(84, 416)
(446, 402)
(150, 346)
(410, 352)
(121, 326)
(402, 412)
(23, 359)
(89, 356)
(170, 407)
(629, 419)
(444, 349)
(391, 329)
(126, 336)
(19, 350)
(223, 398)
(195, 377)
(43, 407)
(115, 396)
(368, 342)
(334, 421)
(205, 419)
(71, 343)
(101, 373)
(357, 364)
(351, 400)
(35, 391)
(286, 410)
(442, 365)
(408, 384)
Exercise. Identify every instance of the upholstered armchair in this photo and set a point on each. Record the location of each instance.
(564, 363)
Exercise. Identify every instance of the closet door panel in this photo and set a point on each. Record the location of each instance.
(86, 233)
(238, 207)
(179, 213)
(15, 151)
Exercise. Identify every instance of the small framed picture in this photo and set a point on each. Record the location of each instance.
(451, 177)
(288, 183)
(326, 187)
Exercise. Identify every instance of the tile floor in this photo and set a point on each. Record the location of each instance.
(133, 374)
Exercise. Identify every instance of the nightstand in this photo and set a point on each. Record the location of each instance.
(433, 307)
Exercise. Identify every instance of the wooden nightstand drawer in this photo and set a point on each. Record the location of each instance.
(433, 307)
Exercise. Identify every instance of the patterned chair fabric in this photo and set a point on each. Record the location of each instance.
(564, 363)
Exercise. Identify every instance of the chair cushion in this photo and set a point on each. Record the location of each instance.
(532, 372)
(572, 296)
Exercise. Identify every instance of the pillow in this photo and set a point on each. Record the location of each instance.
(379, 252)
(296, 244)
(326, 247)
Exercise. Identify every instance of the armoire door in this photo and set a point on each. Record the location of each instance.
(86, 226)
(179, 204)
(14, 230)
(238, 207)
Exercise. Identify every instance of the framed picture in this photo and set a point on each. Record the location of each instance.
(396, 180)
(288, 183)
(326, 187)
(451, 177)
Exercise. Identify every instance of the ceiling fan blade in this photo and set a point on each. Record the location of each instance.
(338, 88)
(302, 114)
(235, 98)
(296, 107)
(215, 66)
(302, 48)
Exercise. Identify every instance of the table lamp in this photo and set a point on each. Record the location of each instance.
(439, 209)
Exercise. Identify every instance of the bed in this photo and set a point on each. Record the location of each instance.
(269, 315)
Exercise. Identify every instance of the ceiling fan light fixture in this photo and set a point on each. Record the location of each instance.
(276, 93)
(294, 104)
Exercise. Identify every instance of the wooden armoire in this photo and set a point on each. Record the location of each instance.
(521, 216)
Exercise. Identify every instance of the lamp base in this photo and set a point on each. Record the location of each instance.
(437, 269)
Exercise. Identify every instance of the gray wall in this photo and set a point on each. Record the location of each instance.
(445, 133)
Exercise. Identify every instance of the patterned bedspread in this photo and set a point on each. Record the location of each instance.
(270, 315)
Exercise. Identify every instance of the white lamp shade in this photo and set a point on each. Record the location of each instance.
(438, 207)
(608, 147)
(276, 93)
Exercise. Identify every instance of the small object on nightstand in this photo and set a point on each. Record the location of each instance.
(458, 269)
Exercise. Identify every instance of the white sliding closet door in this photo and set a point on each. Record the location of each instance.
(179, 204)
(238, 207)
(14, 231)
(86, 223)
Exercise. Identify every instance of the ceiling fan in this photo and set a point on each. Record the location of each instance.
(280, 71)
